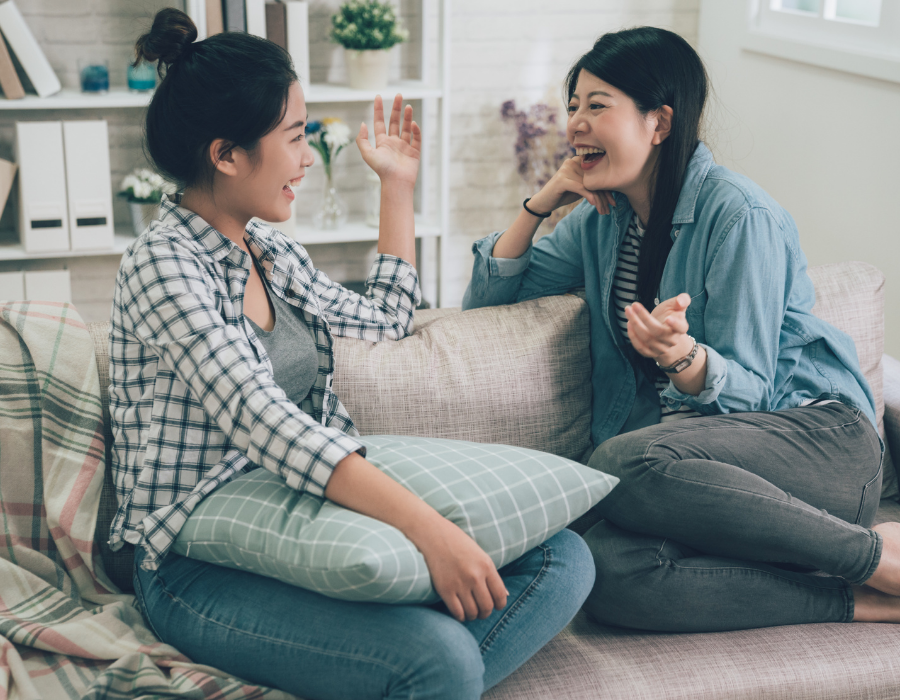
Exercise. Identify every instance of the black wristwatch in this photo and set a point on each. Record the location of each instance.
(684, 362)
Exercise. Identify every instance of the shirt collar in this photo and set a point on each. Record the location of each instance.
(171, 212)
(694, 177)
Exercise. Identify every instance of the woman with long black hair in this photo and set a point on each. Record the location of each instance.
(739, 424)
(221, 361)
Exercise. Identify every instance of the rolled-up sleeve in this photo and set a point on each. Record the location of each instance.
(494, 280)
(384, 313)
(716, 373)
(553, 265)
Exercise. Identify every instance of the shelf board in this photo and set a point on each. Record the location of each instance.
(74, 99)
(353, 232)
(15, 251)
(119, 97)
(410, 89)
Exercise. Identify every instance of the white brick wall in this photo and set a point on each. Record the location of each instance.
(501, 49)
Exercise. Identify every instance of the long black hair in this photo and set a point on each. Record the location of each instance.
(232, 86)
(654, 67)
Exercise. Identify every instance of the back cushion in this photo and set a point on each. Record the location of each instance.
(850, 296)
(514, 375)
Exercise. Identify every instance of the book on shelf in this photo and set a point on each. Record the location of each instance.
(297, 30)
(255, 11)
(235, 15)
(276, 31)
(7, 175)
(27, 50)
(9, 79)
(215, 24)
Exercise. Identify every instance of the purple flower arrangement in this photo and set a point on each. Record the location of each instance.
(541, 145)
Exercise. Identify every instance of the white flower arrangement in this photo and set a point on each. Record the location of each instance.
(337, 134)
(328, 137)
(143, 186)
(365, 25)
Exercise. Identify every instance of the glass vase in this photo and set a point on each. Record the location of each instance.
(332, 212)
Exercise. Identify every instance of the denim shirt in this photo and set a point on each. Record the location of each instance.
(737, 253)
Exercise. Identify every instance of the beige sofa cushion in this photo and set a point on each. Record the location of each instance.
(850, 296)
(514, 375)
(587, 661)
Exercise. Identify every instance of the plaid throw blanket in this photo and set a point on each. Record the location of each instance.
(67, 632)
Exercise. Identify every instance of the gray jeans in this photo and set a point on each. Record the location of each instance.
(730, 522)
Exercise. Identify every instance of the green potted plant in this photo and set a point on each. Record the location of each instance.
(367, 29)
(143, 189)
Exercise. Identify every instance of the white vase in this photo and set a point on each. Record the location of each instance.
(141, 216)
(368, 70)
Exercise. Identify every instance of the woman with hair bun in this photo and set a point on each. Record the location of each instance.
(739, 424)
(221, 361)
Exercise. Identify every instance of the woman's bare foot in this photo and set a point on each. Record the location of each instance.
(870, 605)
(887, 574)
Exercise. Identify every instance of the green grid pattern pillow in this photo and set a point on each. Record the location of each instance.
(508, 499)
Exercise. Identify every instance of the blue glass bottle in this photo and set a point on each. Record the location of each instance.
(142, 78)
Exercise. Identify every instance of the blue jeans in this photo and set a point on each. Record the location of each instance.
(278, 635)
(727, 522)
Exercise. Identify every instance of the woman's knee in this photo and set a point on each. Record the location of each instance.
(625, 563)
(573, 564)
(621, 456)
(448, 666)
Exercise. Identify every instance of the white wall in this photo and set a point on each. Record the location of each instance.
(501, 49)
(824, 143)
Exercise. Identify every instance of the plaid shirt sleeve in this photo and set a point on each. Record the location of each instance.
(385, 313)
(173, 312)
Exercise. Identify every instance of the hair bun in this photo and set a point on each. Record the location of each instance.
(171, 34)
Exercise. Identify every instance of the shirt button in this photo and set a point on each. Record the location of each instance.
(677, 231)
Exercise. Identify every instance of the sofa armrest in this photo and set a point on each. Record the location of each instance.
(892, 403)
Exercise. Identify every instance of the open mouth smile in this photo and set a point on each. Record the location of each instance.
(286, 189)
(589, 156)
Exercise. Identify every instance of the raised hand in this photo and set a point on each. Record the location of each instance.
(395, 156)
(660, 335)
(567, 186)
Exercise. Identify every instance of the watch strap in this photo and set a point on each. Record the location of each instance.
(684, 362)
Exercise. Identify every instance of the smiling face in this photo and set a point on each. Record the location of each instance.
(279, 162)
(619, 145)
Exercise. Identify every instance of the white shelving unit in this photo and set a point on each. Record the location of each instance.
(431, 219)
(119, 97)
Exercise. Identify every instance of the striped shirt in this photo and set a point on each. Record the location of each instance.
(624, 293)
(193, 402)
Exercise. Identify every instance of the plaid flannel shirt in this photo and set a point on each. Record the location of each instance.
(193, 402)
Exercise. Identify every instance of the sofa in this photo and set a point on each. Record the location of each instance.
(520, 374)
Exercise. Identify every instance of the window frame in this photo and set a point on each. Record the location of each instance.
(843, 45)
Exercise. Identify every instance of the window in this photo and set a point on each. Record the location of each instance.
(857, 36)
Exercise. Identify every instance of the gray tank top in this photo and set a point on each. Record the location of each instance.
(291, 348)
